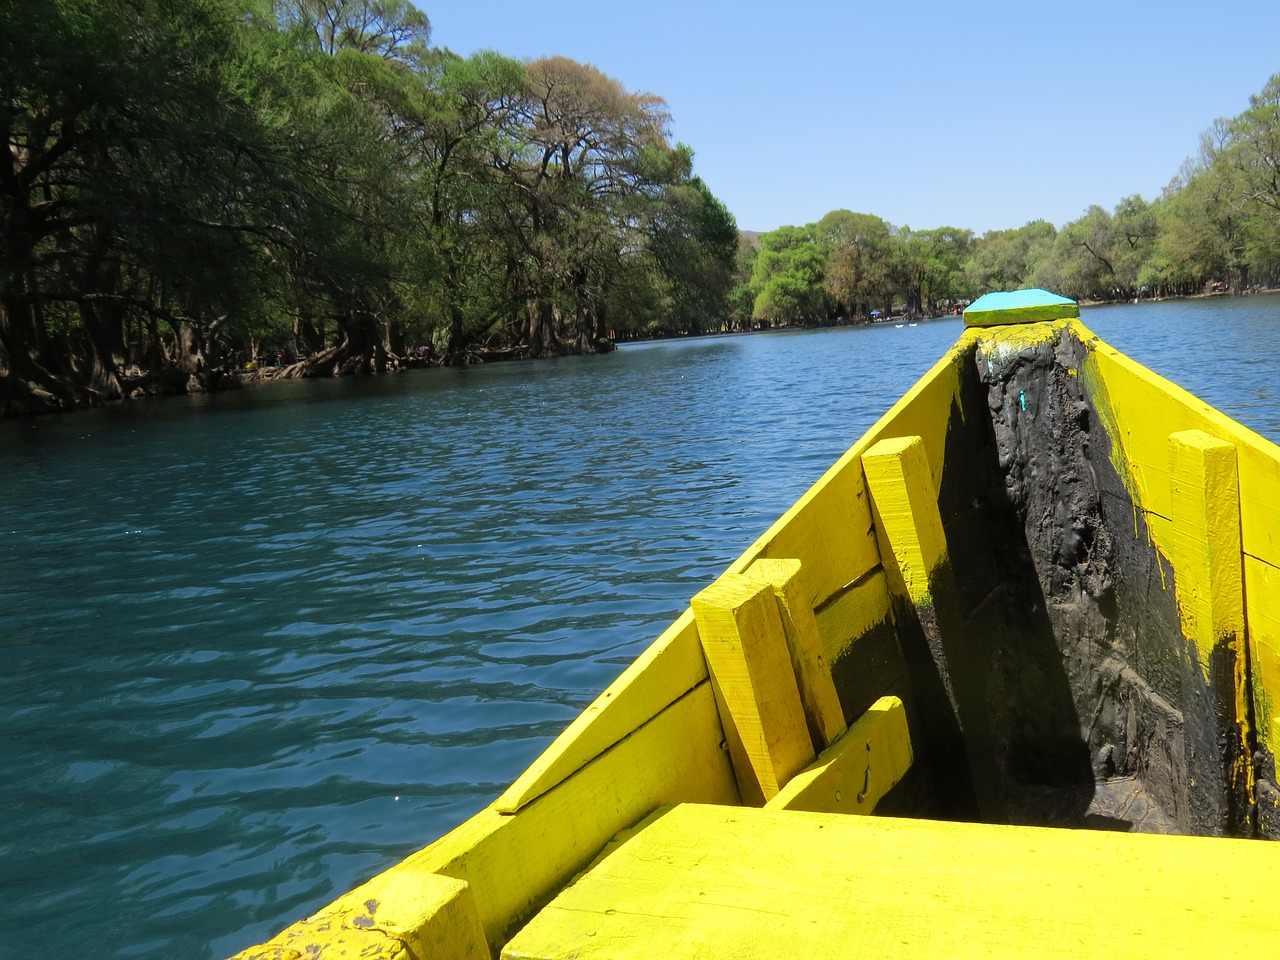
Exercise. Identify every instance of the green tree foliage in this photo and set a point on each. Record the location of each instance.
(690, 252)
(1007, 259)
(740, 301)
(850, 264)
(129, 190)
(392, 29)
(859, 266)
(190, 182)
(602, 211)
(464, 120)
(1242, 157)
(929, 266)
(1082, 263)
(1253, 149)
(788, 276)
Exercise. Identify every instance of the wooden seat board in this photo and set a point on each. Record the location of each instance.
(710, 881)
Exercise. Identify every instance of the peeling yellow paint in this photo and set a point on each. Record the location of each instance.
(906, 511)
(1139, 409)
(1004, 342)
(1205, 540)
(399, 915)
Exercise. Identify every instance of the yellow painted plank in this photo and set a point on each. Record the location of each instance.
(906, 511)
(1262, 612)
(667, 670)
(852, 612)
(828, 529)
(822, 710)
(1206, 555)
(747, 654)
(1209, 578)
(515, 863)
(705, 881)
(398, 915)
(749, 788)
(858, 769)
(1140, 409)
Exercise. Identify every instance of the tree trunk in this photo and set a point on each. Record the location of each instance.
(189, 357)
(534, 333)
(1240, 278)
(542, 322)
(307, 335)
(153, 359)
(104, 327)
(394, 341)
(455, 344)
(28, 387)
(358, 344)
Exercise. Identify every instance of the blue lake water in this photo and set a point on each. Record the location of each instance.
(259, 646)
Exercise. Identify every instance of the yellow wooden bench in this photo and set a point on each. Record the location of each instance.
(712, 881)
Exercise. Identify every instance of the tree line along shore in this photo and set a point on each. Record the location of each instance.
(199, 191)
(1214, 229)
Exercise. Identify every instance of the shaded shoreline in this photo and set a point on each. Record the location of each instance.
(171, 382)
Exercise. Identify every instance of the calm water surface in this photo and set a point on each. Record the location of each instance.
(260, 646)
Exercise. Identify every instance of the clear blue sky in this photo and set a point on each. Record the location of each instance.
(982, 115)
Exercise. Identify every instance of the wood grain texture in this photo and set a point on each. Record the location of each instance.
(513, 864)
(705, 881)
(858, 769)
(747, 654)
(908, 523)
(822, 710)
(852, 613)
(1262, 613)
(1139, 409)
(1206, 539)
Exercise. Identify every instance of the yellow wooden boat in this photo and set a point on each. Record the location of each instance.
(1031, 621)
